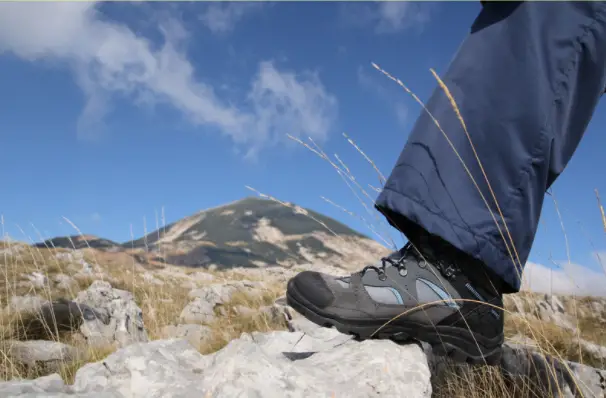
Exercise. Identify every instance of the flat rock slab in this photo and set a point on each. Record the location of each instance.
(48, 356)
(275, 364)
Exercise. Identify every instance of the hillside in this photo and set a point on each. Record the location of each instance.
(251, 232)
(78, 242)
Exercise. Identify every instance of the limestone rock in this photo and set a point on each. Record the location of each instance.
(206, 299)
(46, 356)
(21, 304)
(194, 334)
(198, 311)
(258, 365)
(37, 279)
(63, 282)
(547, 308)
(124, 318)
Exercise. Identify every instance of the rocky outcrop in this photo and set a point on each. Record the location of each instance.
(101, 316)
(24, 304)
(276, 364)
(63, 282)
(40, 355)
(206, 300)
(547, 308)
(119, 321)
(196, 335)
(305, 361)
(321, 362)
(562, 378)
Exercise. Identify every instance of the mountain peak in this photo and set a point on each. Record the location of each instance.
(77, 242)
(250, 232)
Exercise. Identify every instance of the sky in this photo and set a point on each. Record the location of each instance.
(112, 114)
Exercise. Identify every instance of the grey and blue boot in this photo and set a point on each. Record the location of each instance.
(410, 295)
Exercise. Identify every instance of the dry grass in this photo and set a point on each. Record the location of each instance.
(462, 381)
(30, 326)
(161, 298)
(546, 339)
(552, 340)
(232, 324)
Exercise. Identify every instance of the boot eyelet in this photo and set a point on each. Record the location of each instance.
(423, 264)
(403, 271)
(382, 277)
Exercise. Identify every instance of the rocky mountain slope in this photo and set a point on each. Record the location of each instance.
(252, 232)
(79, 242)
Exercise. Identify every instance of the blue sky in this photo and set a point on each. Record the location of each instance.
(109, 112)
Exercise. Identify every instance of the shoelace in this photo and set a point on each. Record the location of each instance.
(449, 271)
(400, 263)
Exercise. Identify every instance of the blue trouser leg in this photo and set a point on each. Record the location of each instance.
(526, 80)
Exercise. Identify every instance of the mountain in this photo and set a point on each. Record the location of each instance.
(251, 232)
(78, 242)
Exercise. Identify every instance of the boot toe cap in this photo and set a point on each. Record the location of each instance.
(312, 286)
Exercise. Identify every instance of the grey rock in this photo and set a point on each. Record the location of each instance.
(206, 299)
(257, 365)
(46, 356)
(120, 322)
(200, 276)
(63, 282)
(47, 386)
(198, 311)
(301, 324)
(244, 311)
(547, 308)
(591, 382)
(593, 349)
(276, 313)
(188, 284)
(87, 269)
(23, 304)
(294, 321)
(37, 279)
(54, 317)
(221, 293)
(522, 364)
(551, 309)
(194, 334)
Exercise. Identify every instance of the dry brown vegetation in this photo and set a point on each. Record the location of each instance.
(545, 338)
(160, 299)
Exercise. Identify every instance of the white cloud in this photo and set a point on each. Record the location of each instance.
(568, 279)
(284, 102)
(222, 17)
(394, 16)
(108, 58)
(387, 16)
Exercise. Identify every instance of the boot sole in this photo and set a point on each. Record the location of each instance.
(459, 344)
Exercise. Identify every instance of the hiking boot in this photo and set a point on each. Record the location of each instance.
(410, 294)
